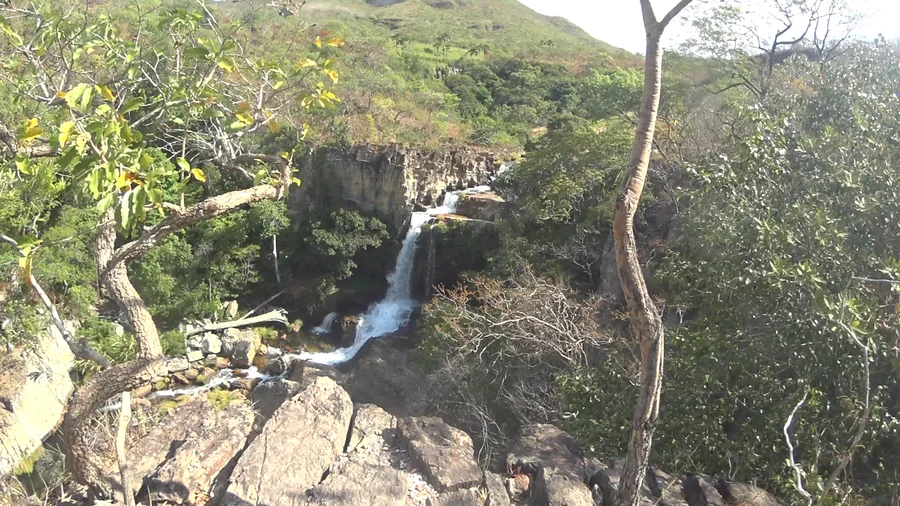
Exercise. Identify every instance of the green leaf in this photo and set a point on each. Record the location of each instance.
(227, 65)
(86, 98)
(105, 202)
(155, 195)
(196, 52)
(65, 131)
(132, 104)
(183, 164)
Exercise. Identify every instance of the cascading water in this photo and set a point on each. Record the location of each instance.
(326, 325)
(390, 313)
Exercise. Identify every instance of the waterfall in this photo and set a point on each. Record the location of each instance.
(326, 325)
(390, 313)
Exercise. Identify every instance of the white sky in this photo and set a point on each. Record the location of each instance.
(618, 22)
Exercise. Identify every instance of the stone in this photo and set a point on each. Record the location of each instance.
(194, 355)
(372, 426)
(295, 448)
(384, 377)
(211, 344)
(192, 374)
(444, 454)
(700, 490)
(118, 330)
(518, 487)
(354, 482)
(190, 475)
(305, 373)
(347, 329)
(161, 442)
(555, 461)
(745, 495)
(496, 491)
(230, 309)
(487, 206)
(34, 389)
(463, 497)
(245, 384)
(177, 364)
(607, 481)
(142, 391)
(180, 379)
(269, 396)
(240, 345)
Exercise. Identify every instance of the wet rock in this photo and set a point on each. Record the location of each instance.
(210, 343)
(269, 396)
(464, 497)
(244, 384)
(347, 329)
(177, 364)
(555, 461)
(142, 391)
(305, 373)
(444, 454)
(297, 445)
(496, 491)
(191, 473)
(240, 346)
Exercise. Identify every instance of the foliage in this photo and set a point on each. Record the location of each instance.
(23, 322)
(107, 339)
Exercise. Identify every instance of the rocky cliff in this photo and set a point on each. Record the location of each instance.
(391, 180)
(34, 389)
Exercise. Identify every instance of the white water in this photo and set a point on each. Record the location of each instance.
(390, 313)
(326, 325)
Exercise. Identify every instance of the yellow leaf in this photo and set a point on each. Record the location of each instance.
(306, 62)
(60, 94)
(106, 93)
(65, 131)
(198, 175)
(335, 41)
(285, 155)
(30, 131)
(274, 127)
(333, 75)
(245, 118)
(319, 42)
(124, 180)
(25, 264)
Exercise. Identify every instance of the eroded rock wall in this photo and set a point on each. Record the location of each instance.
(391, 180)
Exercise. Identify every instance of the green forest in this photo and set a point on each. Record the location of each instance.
(151, 152)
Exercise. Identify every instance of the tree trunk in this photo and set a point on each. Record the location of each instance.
(646, 325)
(275, 257)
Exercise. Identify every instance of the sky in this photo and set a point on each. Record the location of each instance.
(618, 22)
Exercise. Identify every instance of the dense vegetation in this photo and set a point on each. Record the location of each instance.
(769, 232)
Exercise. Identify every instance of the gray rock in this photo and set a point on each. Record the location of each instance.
(463, 497)
(211, 344)
(700, 490)
(372, 427)
(444, 454)
(556, 463)
(297, 445)
(496, 491)
(194, 355)
(196, 465)
(745, 495)
(177, 364)
(608, 479)
(240, 346)
(163, 440)
(356, 482)
(269, 396)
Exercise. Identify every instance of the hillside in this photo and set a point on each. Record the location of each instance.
(402, 66)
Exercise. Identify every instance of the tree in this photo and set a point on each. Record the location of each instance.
(108, 96)
(646, 325)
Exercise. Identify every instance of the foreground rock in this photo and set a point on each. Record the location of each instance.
(444, 454)
(555, 463)
(297, 445)
(34, 389)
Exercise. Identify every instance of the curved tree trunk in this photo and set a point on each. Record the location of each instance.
(646, 325)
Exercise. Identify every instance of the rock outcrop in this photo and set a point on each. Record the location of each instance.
(444, 454)
(34, 389)
(555, 463)
(391, 180)
(295, 449)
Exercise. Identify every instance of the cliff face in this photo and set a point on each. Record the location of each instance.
(391, 180)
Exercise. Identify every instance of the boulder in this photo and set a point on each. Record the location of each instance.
(269, 396)
(240, 346)
(177, 364)
(357, 482)
(463, 497)
(700, 490)
(383, 377)
(444, 454)
(745, 495)
(188, 477)
(607, 481)
(194, 355)
(555, 462)
(347, 329)
(496, 491)
(34, 389)
(295, 448)
(373, 428)
(487, 206)
(161, 442)
(210, 343)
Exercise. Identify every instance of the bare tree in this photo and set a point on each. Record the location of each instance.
(645, 322)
